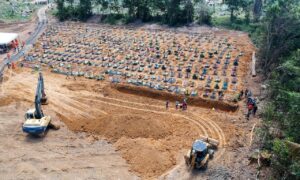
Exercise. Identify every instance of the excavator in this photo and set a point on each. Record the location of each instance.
(201, 151)
(36, 122)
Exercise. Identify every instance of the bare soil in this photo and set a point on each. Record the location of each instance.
(114, 135)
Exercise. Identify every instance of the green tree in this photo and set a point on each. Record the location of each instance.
(85, 9)
(233, 6)
(173, 12)
(61, 10)
(188, 11)
(257, 9)
(281, 32)
(203, 12)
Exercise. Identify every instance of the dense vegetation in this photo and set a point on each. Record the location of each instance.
(17, 10)
(280, 61)
(274, 26)
(172, 12)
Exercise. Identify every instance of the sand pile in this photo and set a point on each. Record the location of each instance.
(129, 126)
(148, 142)
(147, 157)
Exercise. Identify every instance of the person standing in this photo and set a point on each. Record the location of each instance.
(250, 108)
(13, 65)
(246, 92)
(167, 104)
(68, 75)
(17, 45)
(8, 56)
(176, 105)
(241, 93)
(254, 109)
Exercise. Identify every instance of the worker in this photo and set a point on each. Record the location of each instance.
(167, 104)
(246, 92)
(250, 108)
(73, 76)
(241, 94)
(8, 56)
(184, 105)
(254, 109)
(17, 45)
(68, 75)
(176, 105)
(8, 65)
(13, 65)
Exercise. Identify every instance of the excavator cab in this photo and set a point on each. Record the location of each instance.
(30, 114)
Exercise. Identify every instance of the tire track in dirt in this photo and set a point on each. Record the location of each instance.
(82, 107)
(219, 132)
(162, 107)
(149, 110)
(217, 129)
(200, 122)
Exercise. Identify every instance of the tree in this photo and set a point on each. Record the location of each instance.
(203, 12)
(103, 5)
(188, 11)
(233, 6)
(257, 9)
(61, 11)
(246, 7)
(281, 32)
(173, 12)
(85, 9)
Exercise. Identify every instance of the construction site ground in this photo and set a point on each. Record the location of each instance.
(111, 135)
(107, 134)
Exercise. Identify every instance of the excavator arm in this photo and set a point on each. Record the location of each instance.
(38, 97)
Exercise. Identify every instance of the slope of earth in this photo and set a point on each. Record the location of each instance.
(143, 136)
(150, 138)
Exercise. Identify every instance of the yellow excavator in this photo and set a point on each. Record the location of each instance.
(36, 122)
(201, 151)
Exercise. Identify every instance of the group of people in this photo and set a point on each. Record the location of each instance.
(178, 105)
(251, 103)
(16, 46)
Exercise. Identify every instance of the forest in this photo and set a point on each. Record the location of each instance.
(274, 27)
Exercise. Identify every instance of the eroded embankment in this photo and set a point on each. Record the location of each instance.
(196, 101)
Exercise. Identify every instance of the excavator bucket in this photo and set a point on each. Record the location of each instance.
(44, 100)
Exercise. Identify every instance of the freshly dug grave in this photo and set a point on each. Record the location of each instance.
(196, 101)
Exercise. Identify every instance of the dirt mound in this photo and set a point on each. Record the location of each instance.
(76, 86)
(146, 156)
(149, 142)
(8, 100)
(4, 101)
(130, 126)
